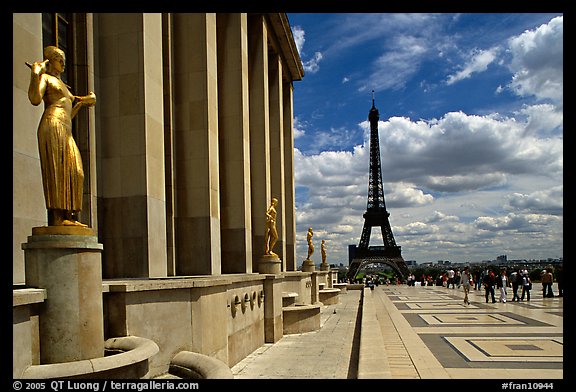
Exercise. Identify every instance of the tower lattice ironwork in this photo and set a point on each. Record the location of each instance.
(376, 215)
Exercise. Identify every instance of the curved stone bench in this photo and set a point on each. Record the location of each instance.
(127, 357)
(328, 296)
(301, 318)
(191, 365)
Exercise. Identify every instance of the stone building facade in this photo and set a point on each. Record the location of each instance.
(190, 139)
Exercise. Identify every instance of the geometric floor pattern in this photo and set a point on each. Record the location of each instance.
(513, 338)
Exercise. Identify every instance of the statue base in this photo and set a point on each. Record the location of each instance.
(68, 265)
(269, 264)
(308, 266)
(63, 230)
(324, 267)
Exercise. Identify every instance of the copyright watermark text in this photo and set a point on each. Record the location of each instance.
(104, 385)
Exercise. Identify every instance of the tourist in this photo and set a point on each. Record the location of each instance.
(547, 280)
(410, 280)
(466, 284)
(488, 281)
(526, 285)
(502, 283)
(477, 280)
(515, 280)
(450, 279)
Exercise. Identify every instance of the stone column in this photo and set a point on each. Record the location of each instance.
(289, 198)
(277, 151)
(81, 62)
(234, 143)
(259, 132)
(28, 205)
(197, 209)
(66, 262)
(133, 225)
(168, 102)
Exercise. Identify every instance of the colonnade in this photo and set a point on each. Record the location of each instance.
(191, 137)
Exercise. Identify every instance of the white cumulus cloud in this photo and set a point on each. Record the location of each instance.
(537, 61)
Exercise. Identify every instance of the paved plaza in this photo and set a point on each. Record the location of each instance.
(417, 332)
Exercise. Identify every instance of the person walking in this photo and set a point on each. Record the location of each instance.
(488, 281)
(515, 280)
(502, 283)
(465, 278)
(547, 280)
(451, 279)
(477, 280)
(526, 286)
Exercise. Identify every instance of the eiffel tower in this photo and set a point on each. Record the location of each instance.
(376, 215)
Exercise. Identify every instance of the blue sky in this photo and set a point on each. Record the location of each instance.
(471, 132)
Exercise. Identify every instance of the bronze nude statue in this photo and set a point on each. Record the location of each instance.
(271, 235)
(310, 244)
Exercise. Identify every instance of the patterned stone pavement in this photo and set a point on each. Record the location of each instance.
(421, 333)
(481, 340)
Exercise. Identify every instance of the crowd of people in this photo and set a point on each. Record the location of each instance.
(493, 283)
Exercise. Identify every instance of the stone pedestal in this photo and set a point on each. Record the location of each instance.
(66, 261)
(308, 266)
(324, 267)
(269, 264)
(273, 322)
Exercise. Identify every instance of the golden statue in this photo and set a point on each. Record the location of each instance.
(60, 160)
(271, 234)
(310, 245)
(323, 251)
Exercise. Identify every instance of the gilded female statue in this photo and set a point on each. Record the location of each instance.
(60, 160)
(271, 235)
(310, 245)
(323, 251)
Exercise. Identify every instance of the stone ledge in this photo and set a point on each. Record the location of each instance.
(21, 297)
(177, 282)
(289, 299)
(372, 357)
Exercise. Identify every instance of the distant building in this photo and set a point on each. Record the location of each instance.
(502, 259)
(351, 253)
